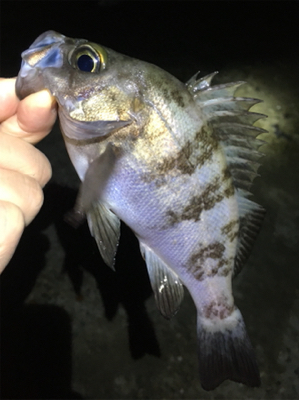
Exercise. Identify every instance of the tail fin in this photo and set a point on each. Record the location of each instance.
(225, 352)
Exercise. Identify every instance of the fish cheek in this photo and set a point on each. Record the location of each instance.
(107, 104)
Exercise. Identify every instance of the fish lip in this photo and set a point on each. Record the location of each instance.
(47, 52)
(24, 86)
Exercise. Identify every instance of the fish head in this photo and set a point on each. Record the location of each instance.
(95, 87)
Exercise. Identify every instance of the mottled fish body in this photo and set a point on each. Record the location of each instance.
(175, 162)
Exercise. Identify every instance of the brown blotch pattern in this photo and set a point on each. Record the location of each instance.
(226, 177)
(205, 144)
(218, 309)
(179, 161)
(229, 191)
(231, 229)
(206, 200)
(177, 97)
(201, 148)
(226, 173)
(169, 89)
(192, 155)
(160, 180)
(215, 251)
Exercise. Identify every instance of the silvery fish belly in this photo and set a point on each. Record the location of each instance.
(175, 162)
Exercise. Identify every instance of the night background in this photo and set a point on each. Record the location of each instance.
(73, 328)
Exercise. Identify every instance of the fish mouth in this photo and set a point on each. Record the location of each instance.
(44, 52)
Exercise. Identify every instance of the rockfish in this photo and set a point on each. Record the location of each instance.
(175, 162)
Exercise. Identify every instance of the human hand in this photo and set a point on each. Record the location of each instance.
(24, 170)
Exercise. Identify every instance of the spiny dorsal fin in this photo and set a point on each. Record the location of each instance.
(195, 84)
(232, 124)
(166, 285)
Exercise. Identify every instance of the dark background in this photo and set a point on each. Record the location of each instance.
(181, 37)
(207, 34)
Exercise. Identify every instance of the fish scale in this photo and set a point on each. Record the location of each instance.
(175, 162)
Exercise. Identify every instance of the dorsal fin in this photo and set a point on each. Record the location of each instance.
(251, 217)
(195, 84)
(232, 124)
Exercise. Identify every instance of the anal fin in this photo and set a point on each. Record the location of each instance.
(167, 287)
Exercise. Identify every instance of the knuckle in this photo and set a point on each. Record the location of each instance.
(12, 226)
(40, 169)
(35, 200)
(23, 191)
(46, 173)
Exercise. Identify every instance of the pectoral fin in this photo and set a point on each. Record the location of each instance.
(95, 181)
(104, 226)
(167, 287)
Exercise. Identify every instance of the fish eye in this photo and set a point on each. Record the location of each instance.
(88, 58)
(86, 63)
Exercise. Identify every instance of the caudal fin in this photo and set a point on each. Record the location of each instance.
(225, 352)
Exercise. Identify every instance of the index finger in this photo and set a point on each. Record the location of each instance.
(8, 99)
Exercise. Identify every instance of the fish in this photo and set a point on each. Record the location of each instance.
(175, 162)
